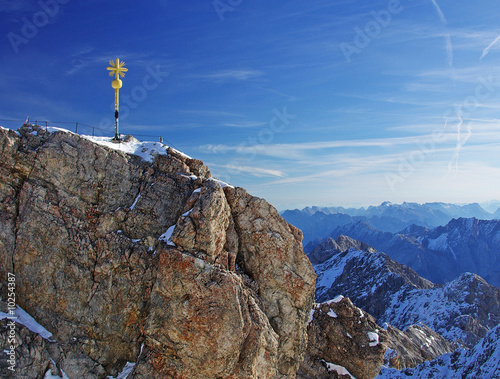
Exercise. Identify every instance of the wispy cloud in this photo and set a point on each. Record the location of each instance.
(83, 58)
(250, 170)
(297, 150)
(244, 124)
(449, 49)
(439, 12)
(209, 113)
(234, 74)
(289, 97)
(461, 141)
(447, 37)
(488, 48)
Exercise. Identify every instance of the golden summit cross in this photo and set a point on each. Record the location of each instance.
(117, 69)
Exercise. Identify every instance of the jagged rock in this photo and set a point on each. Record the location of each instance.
(202, 229)
(31, 357)
(340, 333)
(417, 344)
(85, 228)
(270, 252)
(203, 322)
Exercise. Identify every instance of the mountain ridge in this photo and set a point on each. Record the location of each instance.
(439, 254)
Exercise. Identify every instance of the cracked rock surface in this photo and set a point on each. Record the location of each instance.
(342, 334)
(226, 294)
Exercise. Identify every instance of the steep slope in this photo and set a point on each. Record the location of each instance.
(410, 213)
(481, 362)
(468, 244)
(496, 215)
(145, 259)
(465, 211)
(464, 309)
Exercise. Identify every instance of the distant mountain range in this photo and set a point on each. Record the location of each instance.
(439, 254)
(318, 222)
(464, 309)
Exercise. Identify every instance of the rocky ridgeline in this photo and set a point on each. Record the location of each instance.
(150, 262)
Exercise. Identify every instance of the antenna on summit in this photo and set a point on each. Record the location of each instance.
(117, 69)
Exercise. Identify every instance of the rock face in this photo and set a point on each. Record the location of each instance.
(32, 352)
(150, 261)
(343, 335)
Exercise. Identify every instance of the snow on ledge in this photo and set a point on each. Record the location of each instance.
(332, 313)
(127, 369)
(167, 235)
(22, 317)
(338, 369)
(8, 129)
(336, 300)
(222, 184)
(180, 153)
(311, 316)
(373, 337)
(50, 375)
(145, 150)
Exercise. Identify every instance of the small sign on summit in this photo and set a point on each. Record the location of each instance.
(117, 69)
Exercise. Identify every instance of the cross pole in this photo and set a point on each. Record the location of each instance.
(117, 69)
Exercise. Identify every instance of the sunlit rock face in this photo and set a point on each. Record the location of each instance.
(134, 253)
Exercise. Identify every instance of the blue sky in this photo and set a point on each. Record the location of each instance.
(301, 102)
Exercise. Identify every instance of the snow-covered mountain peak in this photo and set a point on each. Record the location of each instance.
(464, 309)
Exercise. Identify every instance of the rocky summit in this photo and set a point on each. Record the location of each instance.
(141, 262)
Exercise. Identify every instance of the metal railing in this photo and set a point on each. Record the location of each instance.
(78, 128)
